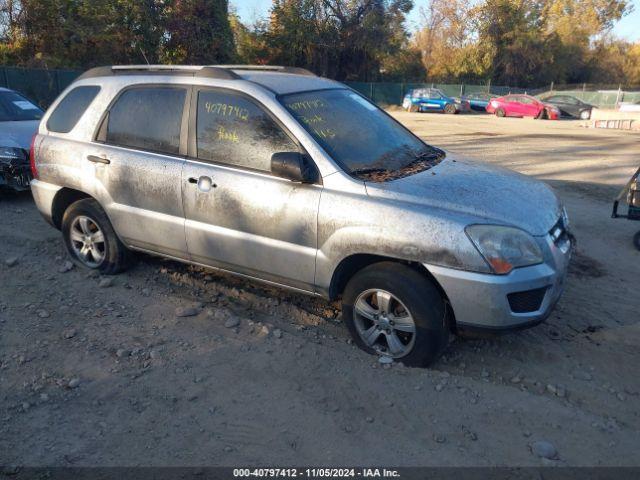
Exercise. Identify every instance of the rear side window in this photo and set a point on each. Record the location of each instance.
(71, 108)
(147, 118)
(231, 129)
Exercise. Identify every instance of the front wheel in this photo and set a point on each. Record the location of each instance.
(450, 108)
(585, 114)
(393, 310)
(500, 113)
(91, 240)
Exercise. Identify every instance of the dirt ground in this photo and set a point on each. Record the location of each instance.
(101, 371)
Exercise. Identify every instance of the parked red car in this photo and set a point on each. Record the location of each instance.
(522, 106)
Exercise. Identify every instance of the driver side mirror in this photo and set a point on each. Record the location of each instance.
(293, 166)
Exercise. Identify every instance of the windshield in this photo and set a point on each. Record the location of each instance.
(15, 108)
(364, 140)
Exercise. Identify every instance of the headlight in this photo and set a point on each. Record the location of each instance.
(504, 248)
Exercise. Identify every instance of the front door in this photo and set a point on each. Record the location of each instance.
(138, 164)
(239, 216)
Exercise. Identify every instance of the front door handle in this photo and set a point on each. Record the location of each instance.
(204, 183)
(95, 159)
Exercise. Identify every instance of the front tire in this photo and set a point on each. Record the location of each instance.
(393, 310)
(91, 240)
(585, 114)
(501, 113)
(450, 108)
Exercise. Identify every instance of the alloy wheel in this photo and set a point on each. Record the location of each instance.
(384, 323)
(87, 241)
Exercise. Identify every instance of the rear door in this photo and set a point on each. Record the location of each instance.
(512, 105)
(239, 216)
(138, 164)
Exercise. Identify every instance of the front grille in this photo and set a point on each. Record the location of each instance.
(528, 301)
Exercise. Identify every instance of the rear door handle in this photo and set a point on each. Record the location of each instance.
(204, 183)
(95, 159)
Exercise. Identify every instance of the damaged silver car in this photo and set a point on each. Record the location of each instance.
(298, 181)
(19, 119)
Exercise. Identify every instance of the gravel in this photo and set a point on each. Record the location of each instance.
(544, 449)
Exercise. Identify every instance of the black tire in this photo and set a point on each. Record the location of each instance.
(501, 113)
(450, 108)
(421, 298)
(636, 240)
(413, 108)
(116, 256)
(542, 115)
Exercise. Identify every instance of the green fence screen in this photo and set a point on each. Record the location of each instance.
(43, 86)
(40, 85)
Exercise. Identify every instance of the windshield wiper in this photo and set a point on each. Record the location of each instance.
(365, 171)
(432, 153)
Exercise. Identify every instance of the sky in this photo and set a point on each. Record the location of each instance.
(251, 10)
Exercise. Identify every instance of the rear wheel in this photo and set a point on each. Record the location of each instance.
(542, 114)
(636, 240)
(393, 310)
(450, 108)
(500, 113)
(91, 240)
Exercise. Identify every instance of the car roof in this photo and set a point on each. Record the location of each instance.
(279, 80)
(283, 83)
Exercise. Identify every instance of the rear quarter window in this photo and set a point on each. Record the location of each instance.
(71, 108)
(147, 118)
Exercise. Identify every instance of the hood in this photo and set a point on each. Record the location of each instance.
(18, 134)
(491, 194)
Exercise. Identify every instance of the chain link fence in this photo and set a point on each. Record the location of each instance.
(603, 96)
(40, 85)
(43, 86)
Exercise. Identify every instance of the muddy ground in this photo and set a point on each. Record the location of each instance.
(97, 371)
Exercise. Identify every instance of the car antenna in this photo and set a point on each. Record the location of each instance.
(143, 55)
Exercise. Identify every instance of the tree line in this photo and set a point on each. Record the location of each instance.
(512, 42)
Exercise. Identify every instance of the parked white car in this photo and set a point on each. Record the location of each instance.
(19, 120)
(629, 107)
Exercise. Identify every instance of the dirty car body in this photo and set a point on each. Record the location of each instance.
(373, 193)
(19, 119)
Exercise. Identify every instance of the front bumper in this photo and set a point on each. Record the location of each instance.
(16, 176)
(481, 301)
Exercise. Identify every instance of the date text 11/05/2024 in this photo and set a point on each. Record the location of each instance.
(316, 472)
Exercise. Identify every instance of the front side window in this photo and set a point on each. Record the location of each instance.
(360, 137)
(147, 118)
(232, 129)
(71, 108)
(16, 108)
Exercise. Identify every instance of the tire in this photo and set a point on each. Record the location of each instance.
(501, 113)
(450, 108)
(82, 224)
(636, 240)
(585, 114)
(410, 296)
(542, 115)
(413, 108)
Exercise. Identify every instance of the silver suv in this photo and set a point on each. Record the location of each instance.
(285, 177)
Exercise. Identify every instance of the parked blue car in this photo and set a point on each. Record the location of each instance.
(478, 101)
(433, 100)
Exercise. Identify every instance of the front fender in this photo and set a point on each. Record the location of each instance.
(361, 225)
